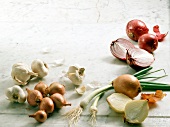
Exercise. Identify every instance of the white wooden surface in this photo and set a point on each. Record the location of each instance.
(81, 33)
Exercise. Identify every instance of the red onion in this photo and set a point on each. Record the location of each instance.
(135, 28)
(158, 34)
(139, 58)
(119, 48)
(149, 42)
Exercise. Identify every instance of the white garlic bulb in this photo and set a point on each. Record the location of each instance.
(40, 67)
(76, 74)
(21, 73)
(15, 94)
(136, 111)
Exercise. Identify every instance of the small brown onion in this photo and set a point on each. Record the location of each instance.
(47, 105)
(59, 100)
(119, 48)
(139, 58)
(34, 97)
(55, 87)
(40, 116)
(41, 87)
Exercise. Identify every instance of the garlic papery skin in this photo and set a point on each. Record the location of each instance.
(136, 111)
(21, 73)
(81, 90)
(76, 74)
(40, 67)
(15, 94)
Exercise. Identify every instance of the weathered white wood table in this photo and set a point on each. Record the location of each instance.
(80, 32)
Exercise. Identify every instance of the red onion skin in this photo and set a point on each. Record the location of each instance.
(135, 28)
(149, 42)
(158, 34)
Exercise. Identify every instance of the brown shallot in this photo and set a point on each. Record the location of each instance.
(34, 97)
(47, 105)
(41, 86)
(40, 116)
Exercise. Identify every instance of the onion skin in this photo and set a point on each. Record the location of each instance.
(41, 87)
(55, 87)
(149, 42)
(47, 105)
(40, 116)
(119, 48)
(59, 100)
(128, 85)
(135, 28)
(139, 58)
(34, 97)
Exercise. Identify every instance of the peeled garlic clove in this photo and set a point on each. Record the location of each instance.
(15, 94)
(81, 90)
(118, 101)
(40, 67)
(21, 73)
(136, 111)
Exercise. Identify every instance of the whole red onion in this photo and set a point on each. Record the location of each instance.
(149, 42)
(135, 28)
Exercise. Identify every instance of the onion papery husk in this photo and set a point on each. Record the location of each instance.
(139, 58)
(119, 48)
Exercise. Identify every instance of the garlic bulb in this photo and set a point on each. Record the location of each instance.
(76, 74)
(81, 90)
(118, 101)
(136, 111)
(16, 94)
(21, 73)
(40, 67)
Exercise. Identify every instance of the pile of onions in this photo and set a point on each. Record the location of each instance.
(48, 98)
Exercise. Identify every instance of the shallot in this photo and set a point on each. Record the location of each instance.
(47, 105)
(59, 100)
(41, 86)
(40, 116)
(34, 97)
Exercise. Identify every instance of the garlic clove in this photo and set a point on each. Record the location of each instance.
(40, 67)
(21, 73)
(16, 94)
(118, 101)
(81, 90)
(136, 111)
(75, 78)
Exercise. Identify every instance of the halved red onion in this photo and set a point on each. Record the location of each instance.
(139, 58)
(119, 48)
(158, 34)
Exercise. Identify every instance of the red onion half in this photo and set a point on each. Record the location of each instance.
(119, 48)
(139, 58)
(149, 42)
(135, 28)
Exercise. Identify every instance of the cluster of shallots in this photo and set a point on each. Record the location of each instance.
(47, 98)
(142, 56)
